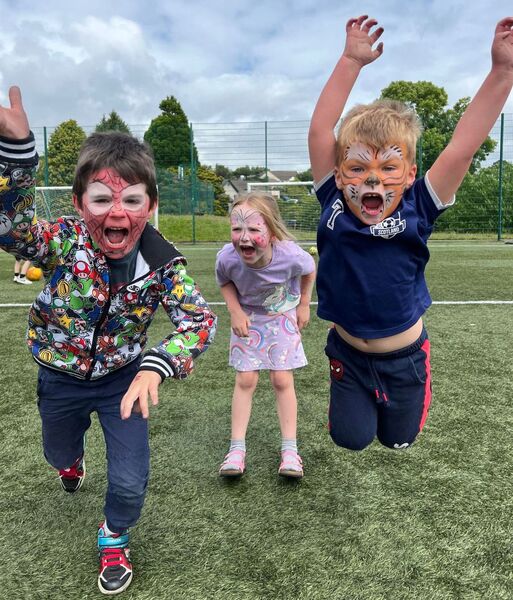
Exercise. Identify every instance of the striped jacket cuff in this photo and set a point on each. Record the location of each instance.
(19, 152)
(157, 364)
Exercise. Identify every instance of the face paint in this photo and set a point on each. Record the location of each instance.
(114, 211)
(251, 237)
(373, 180)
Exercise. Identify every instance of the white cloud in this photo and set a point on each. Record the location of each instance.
(227, 60)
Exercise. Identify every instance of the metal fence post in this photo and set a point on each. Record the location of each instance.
(46, 155)
(193, 186)
(265, 146)
(501, 152)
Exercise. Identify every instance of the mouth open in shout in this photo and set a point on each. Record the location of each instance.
(247, 251)
(372, 204)
(116, 236)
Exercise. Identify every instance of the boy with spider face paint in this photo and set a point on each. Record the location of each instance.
(375, 222)
(105, 276)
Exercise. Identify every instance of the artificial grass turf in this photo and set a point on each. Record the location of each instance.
(429, 522)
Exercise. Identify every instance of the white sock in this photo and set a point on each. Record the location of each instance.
(288, 444)
(238, 445)
(106, 529)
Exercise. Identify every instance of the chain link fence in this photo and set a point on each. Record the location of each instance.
(484, 204)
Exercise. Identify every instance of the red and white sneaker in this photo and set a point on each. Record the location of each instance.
(72, 478)
(115, 572)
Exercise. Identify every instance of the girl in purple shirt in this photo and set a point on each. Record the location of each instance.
(266, 280)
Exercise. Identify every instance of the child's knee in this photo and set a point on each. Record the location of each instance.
(281, 380)
(246, 380)
(350, 441)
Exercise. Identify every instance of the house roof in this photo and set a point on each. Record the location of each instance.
(282, 175)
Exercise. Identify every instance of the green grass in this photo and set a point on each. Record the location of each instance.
(206, 228)
(432, 522)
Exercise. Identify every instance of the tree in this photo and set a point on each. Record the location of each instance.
(223, 171)
(221, 199)
(63, 149)
(169, 136)
(249, 172)
(112, 123)
(429, 102)
(477, 202)
(305, 175)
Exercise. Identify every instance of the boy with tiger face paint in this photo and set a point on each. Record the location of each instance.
(375, 222)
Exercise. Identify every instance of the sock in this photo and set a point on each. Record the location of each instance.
(109, 532)
(21, 276)
(16, 274)
(288, 444)
(238, 445)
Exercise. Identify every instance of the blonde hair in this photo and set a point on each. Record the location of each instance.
(267, 206)
(378, 124)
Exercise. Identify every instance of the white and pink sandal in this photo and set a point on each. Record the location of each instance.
(291, 464)
(234, 464)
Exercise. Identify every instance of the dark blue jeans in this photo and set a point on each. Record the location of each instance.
(65, 405)
(378, 395)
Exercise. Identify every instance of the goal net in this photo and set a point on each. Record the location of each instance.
(298, 204)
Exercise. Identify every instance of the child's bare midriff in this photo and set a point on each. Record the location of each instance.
(385, 344)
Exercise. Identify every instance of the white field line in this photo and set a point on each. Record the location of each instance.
(440, 302)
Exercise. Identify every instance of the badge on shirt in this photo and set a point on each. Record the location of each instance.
(389, 227)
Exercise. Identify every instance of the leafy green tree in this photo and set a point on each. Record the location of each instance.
(221, 199)
(429, 102)
(248, 172)
(112, 123)
(477, 202)
(63, 148)
(169, 136)
(305, 175)
(223, 171)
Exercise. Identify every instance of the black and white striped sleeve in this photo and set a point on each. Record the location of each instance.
(19, 152)
(152, 361)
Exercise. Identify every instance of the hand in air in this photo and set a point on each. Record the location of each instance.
(359, 40)
(136, 397)
(502, 46)
(13, 121)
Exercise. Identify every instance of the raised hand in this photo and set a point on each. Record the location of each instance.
(13, 121)
(359, 40)
(502, 46)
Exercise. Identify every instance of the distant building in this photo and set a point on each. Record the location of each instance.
(280, 176)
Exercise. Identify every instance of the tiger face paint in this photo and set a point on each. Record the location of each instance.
(373, 180)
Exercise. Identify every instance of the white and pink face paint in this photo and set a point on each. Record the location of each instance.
(115, 212)
(250, 236)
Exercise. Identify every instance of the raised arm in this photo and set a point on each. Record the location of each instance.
(450, 167)
(357, 53)
(13, 121)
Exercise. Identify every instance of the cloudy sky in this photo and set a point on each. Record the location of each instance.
(227, 60)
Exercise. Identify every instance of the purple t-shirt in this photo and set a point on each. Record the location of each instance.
(272, 289)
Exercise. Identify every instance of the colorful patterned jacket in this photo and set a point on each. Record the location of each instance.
(76, 324)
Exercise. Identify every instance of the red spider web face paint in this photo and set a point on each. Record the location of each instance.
(114, 211)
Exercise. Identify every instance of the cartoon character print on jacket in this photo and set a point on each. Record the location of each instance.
(75, 324)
